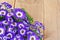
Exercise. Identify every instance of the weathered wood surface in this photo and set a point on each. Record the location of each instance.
(45, 11)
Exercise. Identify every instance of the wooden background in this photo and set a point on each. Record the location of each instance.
(45, 11)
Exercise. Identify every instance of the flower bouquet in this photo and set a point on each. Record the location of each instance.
(17, 24)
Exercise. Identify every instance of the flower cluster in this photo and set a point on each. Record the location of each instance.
(17, 24)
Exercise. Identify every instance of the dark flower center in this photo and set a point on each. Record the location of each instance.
(0, 31)
(22, 31)
(13, 23)
(9, 36)
(19, 14)
(2, 12)
(32, 38)
(5, 21)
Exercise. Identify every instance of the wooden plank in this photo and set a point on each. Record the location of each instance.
(58, 19)
(50, 21)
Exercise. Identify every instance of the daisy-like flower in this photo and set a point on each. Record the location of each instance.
(9, 19)
(13, 24)
(10, 29)
(22, 31)
(33, 37)
(19, 13)
(33, 27)
(5, 22)
(7, 4)
(3, 12)
(21, 25)
(2, 31)
(9, 35)
(15, 30)
(14, 38)
(9, 14)
(4, 37)
(38, 24)
(29, 32)
(18, 36)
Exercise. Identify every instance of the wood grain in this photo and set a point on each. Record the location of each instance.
(58, 20)
(50, 21)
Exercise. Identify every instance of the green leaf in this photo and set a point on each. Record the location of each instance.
(28, 16)
(1, 17)
(40, 38)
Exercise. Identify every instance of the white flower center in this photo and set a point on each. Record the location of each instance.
(5, 22)
(9, 14)
(14, 24)
(22, 31)
(18, 36)
(21, 25)
(9, 35)
(2, 13)
(32, 38)
(10, 19)
(1, 31)
(10, 29)
(15, 38)
(19, 14)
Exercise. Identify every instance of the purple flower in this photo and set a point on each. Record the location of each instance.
(10, 14)
(38, 24)
(10, 29)
(29, 32)
(7, 4)
(19, 13)
(9, 35)
(20, 38)
(5, 22)
(15, 30)
(22, 31)
(4, 37)
(13, 24)
(3, 12)
(33, 26)
(33, 37)
(26, 22)
(38, 31)
(2, 31)
(14, 38)
(9, 19)
(21, 25)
